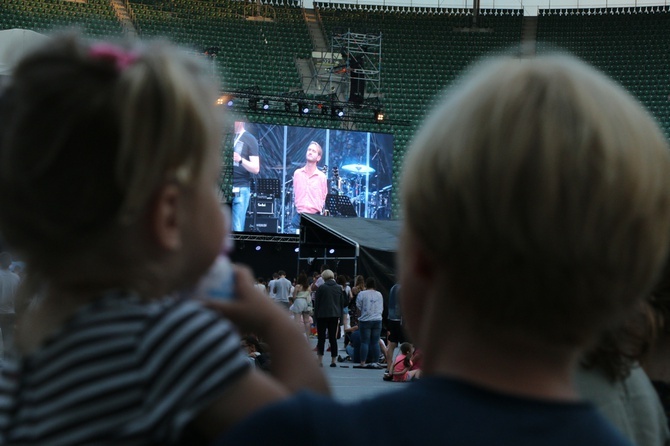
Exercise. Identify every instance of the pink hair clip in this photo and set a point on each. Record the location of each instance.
(122, 58)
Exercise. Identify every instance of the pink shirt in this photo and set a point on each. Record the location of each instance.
(309, 191)
(399, 366)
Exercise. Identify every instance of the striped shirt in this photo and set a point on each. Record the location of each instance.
(121, 371)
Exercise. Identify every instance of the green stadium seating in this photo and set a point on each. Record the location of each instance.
(95, 18)
(250, 53)
(413, 36)
(629, 44)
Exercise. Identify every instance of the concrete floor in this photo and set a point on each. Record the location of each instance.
(349, 384)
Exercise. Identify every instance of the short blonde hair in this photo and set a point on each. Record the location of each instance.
(86, 143)
(314, 143)
(543, 190)
(327, 274)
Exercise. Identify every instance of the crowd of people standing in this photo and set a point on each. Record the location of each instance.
(332, 306)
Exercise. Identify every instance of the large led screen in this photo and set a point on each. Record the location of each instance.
(282, 171)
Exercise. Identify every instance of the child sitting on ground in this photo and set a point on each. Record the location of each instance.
(417, 364)
(257, 353)
(402, 363)
(403, 367)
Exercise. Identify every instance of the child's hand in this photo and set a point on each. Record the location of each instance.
(251, 310)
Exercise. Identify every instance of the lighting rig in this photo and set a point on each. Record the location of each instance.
(295, 104)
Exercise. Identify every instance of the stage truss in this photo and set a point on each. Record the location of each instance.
(351, 55)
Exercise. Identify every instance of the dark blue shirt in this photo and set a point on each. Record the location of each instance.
(432, 411)
(394, 303)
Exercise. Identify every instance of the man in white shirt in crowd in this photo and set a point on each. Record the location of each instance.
(271, 286)
(282, 289)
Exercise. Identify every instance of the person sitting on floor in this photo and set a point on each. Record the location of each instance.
(256, 353)
(402, 363)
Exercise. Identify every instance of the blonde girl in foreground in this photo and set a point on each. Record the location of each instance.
(109, 164)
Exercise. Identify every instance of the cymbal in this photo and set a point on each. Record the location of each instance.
(358, 168)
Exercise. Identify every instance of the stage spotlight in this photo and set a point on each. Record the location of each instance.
(331, 251)
(266, 105)
(379, 115)
(304, 108)
(253, 103)
(225, 99)
(258, 247)
(297, 249)
(339, 112)
(287, 106)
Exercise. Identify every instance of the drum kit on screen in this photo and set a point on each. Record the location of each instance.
(376, 203)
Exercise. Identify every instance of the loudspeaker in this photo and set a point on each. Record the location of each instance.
(264, 206)
(357, 90)
(357, 81)
(263, 224)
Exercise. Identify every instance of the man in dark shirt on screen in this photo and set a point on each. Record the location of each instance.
(246, 162)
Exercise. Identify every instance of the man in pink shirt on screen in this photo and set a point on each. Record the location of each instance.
(310, 185)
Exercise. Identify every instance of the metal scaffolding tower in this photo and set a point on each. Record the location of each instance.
(256, 10)
(351, 71)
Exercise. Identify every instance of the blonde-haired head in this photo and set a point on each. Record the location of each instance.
(317, 145)
(542, 188)
(89, 136)
(171, 87)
